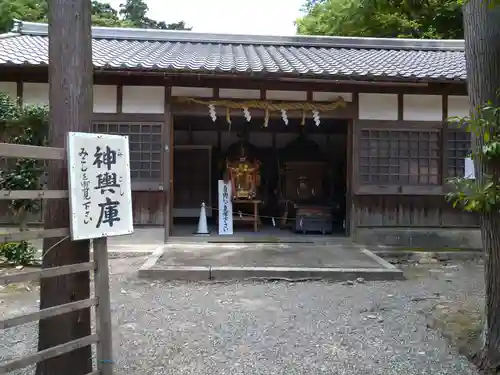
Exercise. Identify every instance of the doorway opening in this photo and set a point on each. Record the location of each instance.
(299, 175)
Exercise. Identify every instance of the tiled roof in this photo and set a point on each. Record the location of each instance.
(297, 56)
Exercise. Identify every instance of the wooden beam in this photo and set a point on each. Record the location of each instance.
(400, 190)
(32, 194)
(45, 273)
(103, 309)
(147, 186)
(128, 118)
(401, 106)
(400, 125)
(182, 109)
(34, 235)
(9, 150)
(167, 170)
(47, 313)
(444, 141)
(43, 355)
(119, 98)
(39, 74)
(19, 92)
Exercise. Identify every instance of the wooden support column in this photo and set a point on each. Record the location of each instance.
(168, 166)
(352, 169)
(444, 140)
(401, 105)
(19, 92)
(70, 93)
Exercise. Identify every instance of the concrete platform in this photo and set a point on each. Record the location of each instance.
(198, 262)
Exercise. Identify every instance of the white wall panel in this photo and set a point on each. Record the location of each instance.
(422, 108)
(239, 94)
(378, 106)
(458, 106)
(36, 93)
(195, 92)
(10, 88)
(143, 99)
(105, 98)
(286, 95)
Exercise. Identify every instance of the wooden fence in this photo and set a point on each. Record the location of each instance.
(99, 265)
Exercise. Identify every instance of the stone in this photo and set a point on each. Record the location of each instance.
(435, 270)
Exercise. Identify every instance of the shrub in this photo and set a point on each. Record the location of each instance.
(18, 253)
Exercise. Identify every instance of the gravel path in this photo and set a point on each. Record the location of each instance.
(273, 328)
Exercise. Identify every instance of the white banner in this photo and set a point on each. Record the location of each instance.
(225, 208)
(99, 185)
(469, 169)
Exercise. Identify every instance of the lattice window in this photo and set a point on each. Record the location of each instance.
(458, 147)
(397, 157)
(145, 147)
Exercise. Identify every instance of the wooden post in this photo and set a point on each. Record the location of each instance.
(70, 94)
(103, 310)
(168, 145)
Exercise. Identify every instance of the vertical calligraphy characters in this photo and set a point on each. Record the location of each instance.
(99, 179)
(107, 182)
(225, 203)
(85, 185)
(225, 211)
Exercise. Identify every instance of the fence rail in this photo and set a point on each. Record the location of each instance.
(34, 234)
(99, 266)
(10, 150)
(32, 194)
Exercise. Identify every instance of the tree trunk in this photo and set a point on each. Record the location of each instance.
(70, 79)
(482, 52)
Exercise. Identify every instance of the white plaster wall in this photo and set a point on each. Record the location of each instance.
(105, 99)
(286, 95)
(331, 96)
(36, 93)
(458, 106)
(196, 92)
(143, 99)
(10, 88)
(239, 94)
(378, 107)
(422, 108)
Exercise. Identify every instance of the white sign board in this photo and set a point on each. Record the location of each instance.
(225, 208)
(469, 169)
(99, 185)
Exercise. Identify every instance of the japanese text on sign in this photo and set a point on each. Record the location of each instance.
(99, 180)
(225, 208)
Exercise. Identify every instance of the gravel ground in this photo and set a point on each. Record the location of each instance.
(273, 328)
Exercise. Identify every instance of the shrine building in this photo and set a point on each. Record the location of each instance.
(334, 136)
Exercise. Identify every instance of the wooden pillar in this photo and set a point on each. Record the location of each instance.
(352, 169)
(70, 93)
(168, 172)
